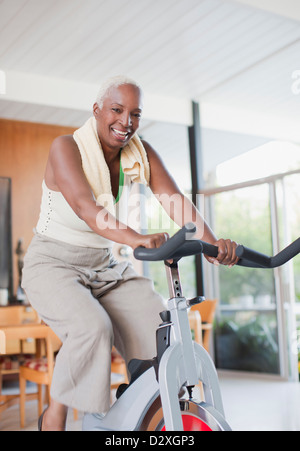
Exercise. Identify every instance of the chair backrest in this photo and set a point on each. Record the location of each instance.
(17, 314)
(38, 332)
(207, 310)
(11, 315)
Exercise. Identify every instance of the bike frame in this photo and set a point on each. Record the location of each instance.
(192, 361)
(183, 363)
(180, 363)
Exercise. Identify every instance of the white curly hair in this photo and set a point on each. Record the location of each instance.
(113, 82)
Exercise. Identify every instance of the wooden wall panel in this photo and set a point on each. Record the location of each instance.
(24, 149)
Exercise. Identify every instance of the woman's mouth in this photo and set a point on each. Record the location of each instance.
(122, 136)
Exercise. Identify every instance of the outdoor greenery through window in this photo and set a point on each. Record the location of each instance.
(272, 158)
(247, 327)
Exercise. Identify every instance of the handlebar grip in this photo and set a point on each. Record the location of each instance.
(264, 261)
(256, 257)
(286, 254)
(169, 247)
(210, 249)
(201, 247)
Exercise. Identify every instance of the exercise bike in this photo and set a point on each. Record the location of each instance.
(160, 396)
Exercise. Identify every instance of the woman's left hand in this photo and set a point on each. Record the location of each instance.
(227, 253)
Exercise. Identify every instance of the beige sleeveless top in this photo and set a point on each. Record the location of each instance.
(59, 221)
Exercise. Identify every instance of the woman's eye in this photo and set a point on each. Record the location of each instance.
(116, 110)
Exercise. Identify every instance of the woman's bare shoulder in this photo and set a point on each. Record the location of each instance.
(64, 147)
(64, 142)
(64, 158)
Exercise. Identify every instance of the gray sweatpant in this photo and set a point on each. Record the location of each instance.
(91, 302)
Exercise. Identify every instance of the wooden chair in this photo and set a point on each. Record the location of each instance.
(201, 317)
(196, 325)
(207, 311)
(38, 371)
(23, 332)
(39, 368)
(20, 324)
(11, 315)
(14, 316)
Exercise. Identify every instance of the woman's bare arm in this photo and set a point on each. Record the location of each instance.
(182, 210)
(65, 170)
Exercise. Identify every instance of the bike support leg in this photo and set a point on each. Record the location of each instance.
(209, 378)
(169, 387)
(171, 379)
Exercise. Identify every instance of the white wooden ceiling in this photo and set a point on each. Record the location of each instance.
(217, 52)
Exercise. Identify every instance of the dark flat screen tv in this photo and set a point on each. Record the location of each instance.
(6, 265)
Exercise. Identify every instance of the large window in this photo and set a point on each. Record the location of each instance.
(291, 192)
(246, 334)
(292, 196)
(255, 325)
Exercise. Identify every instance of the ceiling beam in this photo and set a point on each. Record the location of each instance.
(31, 89)
(286, 8)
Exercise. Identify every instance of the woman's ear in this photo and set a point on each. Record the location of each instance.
(96, 110)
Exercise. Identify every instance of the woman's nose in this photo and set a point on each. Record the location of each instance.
(126, 119)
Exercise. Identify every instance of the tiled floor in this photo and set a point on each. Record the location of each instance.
(250, 405)
(261, 404)
(10, 420)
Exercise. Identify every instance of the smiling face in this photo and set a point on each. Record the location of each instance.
(119, 117)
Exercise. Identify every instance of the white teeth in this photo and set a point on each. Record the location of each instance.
(118, 132)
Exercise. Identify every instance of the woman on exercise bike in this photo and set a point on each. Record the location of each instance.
(90, 300)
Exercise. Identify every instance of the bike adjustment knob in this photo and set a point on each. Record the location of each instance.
(195, 301)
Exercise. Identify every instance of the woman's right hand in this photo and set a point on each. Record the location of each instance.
(150, 241)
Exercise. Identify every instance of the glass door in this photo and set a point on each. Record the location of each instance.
(290, 189)
(247, 321)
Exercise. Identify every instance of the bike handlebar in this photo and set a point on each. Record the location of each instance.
(182, 245)
(270, 262)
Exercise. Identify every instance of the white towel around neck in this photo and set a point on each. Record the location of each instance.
(133, 159)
